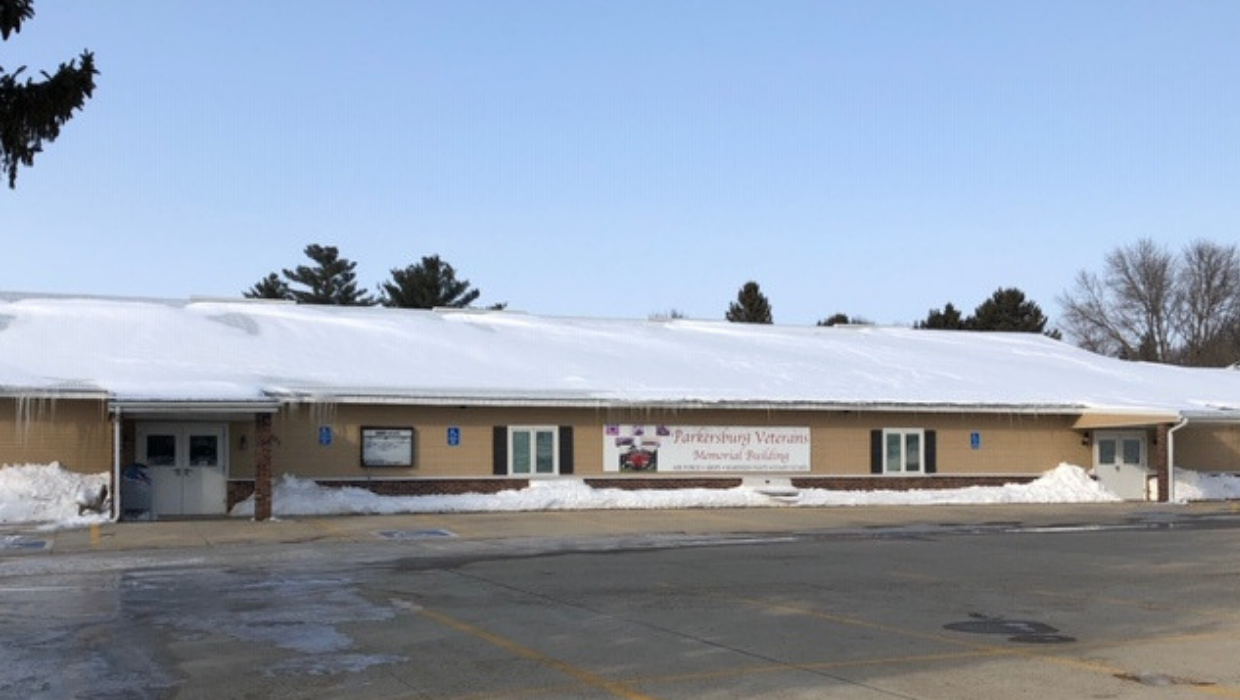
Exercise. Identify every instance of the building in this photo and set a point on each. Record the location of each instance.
(217, 396)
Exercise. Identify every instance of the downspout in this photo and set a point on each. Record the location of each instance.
(116, 465)
(1171, 457)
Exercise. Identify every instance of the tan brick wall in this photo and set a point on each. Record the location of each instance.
(75, 432)
(1010, 444)
(1208, 448)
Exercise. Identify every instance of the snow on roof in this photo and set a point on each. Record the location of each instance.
(218, 350)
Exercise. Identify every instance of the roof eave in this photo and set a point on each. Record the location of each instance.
(148, 406)
(604, 402)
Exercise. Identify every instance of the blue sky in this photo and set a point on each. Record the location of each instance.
(624, 158)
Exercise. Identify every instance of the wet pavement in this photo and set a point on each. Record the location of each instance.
(220, 532)
(1126, 600)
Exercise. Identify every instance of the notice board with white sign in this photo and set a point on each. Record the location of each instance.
(387, 447)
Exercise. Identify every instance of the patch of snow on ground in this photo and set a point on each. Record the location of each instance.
(47, 493)
(1204, 486)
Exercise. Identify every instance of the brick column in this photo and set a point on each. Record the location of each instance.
(262, 466)
(1162, 460)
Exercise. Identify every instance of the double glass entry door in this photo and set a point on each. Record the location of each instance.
(188, 467)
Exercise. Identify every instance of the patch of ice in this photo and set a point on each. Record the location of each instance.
(325, 665)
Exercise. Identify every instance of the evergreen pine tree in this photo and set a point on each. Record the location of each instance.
(1008, 310)
(843, 319)
(429, 284)
(948, 319)
(269, 287)
(331, 280)
(751, 306)
(33, 112)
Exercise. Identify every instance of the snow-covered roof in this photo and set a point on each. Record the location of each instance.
(238, 351)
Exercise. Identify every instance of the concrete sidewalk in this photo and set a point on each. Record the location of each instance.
(223, 532)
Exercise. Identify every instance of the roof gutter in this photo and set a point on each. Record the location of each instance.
(204, 407)
(1212, 417)
(52, 394)
(598, 403)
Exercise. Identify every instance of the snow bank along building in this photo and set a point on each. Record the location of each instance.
(217, 397)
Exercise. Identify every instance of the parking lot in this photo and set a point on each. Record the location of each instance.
(987, 603)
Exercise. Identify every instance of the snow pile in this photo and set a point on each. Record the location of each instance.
(295, 496)
(1066, 483)
(47, 493)
(1200, 486)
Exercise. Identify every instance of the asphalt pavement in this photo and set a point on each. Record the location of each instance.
(224, 531)
(921, 603)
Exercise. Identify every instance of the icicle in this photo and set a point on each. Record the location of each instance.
(323, 411)
(31, 410)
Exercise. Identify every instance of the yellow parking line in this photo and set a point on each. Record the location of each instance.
(325, 525)
(742, 671)
(1160, 606)
(508, 693)
(591, 679)
(1157, 606)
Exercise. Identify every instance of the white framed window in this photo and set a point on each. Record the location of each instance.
(904, 451)
(533, 450)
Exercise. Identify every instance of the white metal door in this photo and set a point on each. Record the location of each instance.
(1120, 463)
(188, 467)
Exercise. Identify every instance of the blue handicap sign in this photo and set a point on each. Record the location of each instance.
(454, 436)
(325, 435)
(975, 441)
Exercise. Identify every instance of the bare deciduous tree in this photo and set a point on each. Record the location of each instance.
(1208, 303)
(1150, 305)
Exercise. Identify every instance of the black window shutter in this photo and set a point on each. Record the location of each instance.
(876, 452)
(499, 451)
(931, 452)
(566, 449)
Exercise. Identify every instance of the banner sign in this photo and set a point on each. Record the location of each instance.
(678, 448)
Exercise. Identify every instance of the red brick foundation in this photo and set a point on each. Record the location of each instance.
(654, 484)
(238, 491)
(904, 483)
